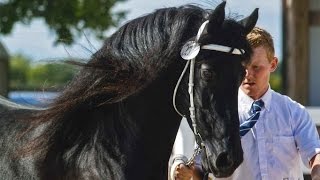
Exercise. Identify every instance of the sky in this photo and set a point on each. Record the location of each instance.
(36, 41)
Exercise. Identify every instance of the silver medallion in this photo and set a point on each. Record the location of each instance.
(190, 50)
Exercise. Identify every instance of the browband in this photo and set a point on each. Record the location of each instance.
(222, 48)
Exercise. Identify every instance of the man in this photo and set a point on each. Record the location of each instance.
(282, 132)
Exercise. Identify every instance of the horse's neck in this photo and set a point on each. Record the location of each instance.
(132, 138)
(158, 124)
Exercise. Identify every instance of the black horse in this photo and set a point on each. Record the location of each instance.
(115, 120)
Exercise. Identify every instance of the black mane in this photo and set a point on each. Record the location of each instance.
(138, 53)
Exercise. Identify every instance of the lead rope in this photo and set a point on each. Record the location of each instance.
(176, 89)
(195, 153)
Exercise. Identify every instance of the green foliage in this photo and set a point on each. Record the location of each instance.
(276, 82)
(41, 76)
(19, 68)
(67, 18)
(50, 76)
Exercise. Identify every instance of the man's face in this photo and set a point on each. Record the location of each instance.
(256, 80)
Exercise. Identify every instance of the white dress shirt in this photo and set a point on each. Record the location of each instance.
(283, 133)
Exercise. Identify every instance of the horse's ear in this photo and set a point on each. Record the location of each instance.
(216, 18)
(249, 22)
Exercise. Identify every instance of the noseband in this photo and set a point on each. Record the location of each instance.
(189, 52)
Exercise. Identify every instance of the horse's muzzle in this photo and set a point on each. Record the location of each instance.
(222, 162)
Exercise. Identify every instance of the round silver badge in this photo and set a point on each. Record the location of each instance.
(190, 50)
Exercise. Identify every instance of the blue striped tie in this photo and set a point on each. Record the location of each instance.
(254, 116)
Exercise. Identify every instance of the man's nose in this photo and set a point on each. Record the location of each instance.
(248, 73)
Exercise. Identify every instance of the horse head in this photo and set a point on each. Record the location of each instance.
(218, 51)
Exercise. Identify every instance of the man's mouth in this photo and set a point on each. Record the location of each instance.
(249, 83)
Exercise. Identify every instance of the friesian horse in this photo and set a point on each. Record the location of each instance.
(115, 119)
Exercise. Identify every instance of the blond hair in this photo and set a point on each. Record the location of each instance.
(260, 37)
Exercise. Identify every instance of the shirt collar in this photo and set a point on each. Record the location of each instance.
(245, 99)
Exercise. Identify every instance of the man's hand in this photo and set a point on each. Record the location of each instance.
(315, 167)
(184, 172)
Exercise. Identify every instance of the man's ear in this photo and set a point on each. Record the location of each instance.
(274, 64)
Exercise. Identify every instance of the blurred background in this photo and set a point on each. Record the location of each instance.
(35, 35)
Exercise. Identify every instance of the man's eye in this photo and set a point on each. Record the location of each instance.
(207, 74)
(255, 67)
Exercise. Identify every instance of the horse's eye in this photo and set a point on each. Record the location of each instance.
(207, 74)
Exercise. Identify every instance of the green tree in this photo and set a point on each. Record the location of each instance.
(19, 67)
(67, 18)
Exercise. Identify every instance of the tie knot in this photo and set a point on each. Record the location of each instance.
(257, 106)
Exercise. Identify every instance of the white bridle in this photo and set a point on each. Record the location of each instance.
(189, 52)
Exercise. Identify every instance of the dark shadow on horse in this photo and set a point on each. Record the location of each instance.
(115, 119)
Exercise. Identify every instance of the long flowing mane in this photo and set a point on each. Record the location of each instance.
(133, 57)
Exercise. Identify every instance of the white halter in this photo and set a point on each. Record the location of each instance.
(189, 52)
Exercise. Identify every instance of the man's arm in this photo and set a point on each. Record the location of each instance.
(315, 167)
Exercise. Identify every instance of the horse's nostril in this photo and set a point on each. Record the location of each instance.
(224, 161)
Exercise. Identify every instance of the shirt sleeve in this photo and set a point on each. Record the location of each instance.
(183, 147)
(306, 135)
